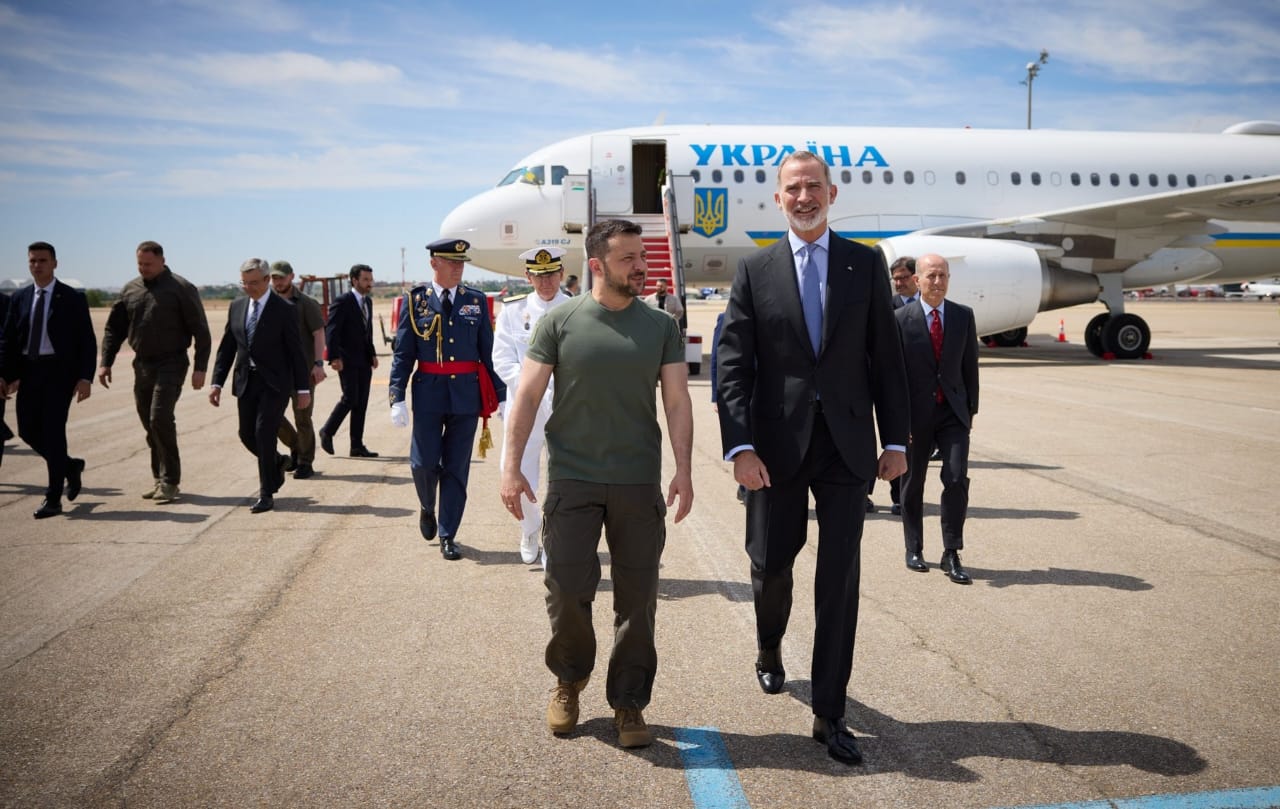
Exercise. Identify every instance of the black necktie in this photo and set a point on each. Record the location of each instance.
(252, 325)
(448, 303)
(368, 315)
(37, 327)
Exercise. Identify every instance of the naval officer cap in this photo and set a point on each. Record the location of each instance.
(450, 249)
(542, 260)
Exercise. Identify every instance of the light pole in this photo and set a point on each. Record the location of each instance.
(1033, 70)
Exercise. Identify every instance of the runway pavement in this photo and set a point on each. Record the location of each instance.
(1120, 639)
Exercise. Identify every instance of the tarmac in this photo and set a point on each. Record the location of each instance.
(1119, 641)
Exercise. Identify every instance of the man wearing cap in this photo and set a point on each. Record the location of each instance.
(159, 315)
(302, 440)
(349, 335)
(520, 313)
(444, 350)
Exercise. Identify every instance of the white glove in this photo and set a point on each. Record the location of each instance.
(400, 414)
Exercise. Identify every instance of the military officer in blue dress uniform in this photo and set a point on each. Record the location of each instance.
(444, 350)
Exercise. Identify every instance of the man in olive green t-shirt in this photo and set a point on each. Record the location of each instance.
(608, 350)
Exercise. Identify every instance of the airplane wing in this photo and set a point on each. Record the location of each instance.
(1128, 230)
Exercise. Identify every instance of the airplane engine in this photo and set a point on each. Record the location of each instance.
(1006, 283)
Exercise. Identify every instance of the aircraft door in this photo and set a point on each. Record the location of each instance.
(611, 174)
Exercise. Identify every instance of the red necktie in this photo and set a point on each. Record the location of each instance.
(935, 335)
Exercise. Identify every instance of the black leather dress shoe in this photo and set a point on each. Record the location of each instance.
(955, 571)
(871, 507)
(896, 510)
(326, 442)
(769, 671)
(914, 562)
(293, 462)
(304, 471)
(75, 467)
(262, 504)
(838, 739)
(449, 549)
(362, 452)
(48, 508)
(282, 466)
(427, 524)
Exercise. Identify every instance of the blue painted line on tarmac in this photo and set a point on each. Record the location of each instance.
(713, 781)
(1252, 798)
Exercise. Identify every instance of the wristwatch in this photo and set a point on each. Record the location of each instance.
(319, 363)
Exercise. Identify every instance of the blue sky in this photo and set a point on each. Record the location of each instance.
(329, 134)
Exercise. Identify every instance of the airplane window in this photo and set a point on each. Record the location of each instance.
(512, 176)
(1115, 178)
(929, 178)
(993, 178)
(866, 177)
(1173, 181)
(558, 174)
(716, 176)
(845, 177)
(1035, 178)
(760, 176)
(1095, 178)
(1191, 181)
(1015, 177)
(1227, 178)
(888, 177)
(1133, 179)
(1247, 177)
(535, 175)
(908, 177)
(696, 175)
(959, 178)
(1075, 178)
(1055, 179)
(738, 176)
(1153, 180)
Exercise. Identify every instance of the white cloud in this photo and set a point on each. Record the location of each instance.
(289, 67)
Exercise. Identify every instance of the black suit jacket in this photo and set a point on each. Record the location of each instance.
(957, 373)
(769, 376)
(348, 337)
(276, 351)
(70, 332)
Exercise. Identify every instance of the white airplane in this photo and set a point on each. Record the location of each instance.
(1030, 220)
(1262, 289)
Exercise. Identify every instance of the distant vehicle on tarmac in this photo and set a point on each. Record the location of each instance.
(1261, 289)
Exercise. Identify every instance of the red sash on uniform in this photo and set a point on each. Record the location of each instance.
(488, 394)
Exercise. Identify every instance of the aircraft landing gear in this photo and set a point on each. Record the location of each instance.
(1124, 335)
(1007, 339)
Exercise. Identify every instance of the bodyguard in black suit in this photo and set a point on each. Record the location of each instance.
(807, 349)
(47, 355)
(262, 340)
(349, 337)
(944, 398)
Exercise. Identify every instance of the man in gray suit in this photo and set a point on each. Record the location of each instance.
(940, 344)
(807, 348)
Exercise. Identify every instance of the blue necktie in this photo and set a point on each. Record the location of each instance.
(37, 327)
(252, 325)
(811, 296)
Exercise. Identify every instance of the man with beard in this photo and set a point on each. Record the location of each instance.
(607, 351)
(808, 345)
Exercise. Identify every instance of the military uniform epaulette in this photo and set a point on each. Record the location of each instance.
(514, 298)
(466, 288)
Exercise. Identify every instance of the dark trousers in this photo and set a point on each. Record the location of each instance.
(951, 437)
(301, 440)
(5, 432)
(44, 403)
(355, 383)
(440, 459)
(634, 521)
(777, 527)
(156, 388)
(260, 409)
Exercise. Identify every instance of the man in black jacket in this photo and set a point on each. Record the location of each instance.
(349, 337)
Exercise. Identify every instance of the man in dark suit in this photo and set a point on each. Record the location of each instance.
(902, 272)
(940, 344)
(807, 348)
(262, 340)
(349, 336)
(47, 355)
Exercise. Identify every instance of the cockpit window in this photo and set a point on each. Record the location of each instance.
(533, 175)
(558, 173)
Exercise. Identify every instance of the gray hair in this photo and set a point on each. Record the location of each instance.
(259, 264)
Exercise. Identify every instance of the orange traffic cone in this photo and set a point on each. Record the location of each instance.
(1062, 332)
